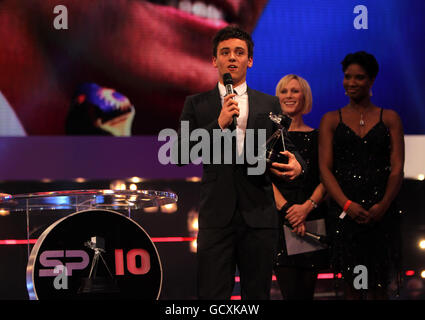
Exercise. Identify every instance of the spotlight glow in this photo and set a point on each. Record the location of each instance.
(422, 244)
(169, 208)
(195, 225)
(151, 209)
(193, 246)
(117, 185)
(133, 187)
(4, 212)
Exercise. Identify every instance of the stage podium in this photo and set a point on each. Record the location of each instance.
(84, 244)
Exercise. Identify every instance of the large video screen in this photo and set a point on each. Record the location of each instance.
(83, 67)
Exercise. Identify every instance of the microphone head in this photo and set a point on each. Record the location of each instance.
(227, 79)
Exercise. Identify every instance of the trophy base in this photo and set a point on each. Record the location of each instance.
(98, 285)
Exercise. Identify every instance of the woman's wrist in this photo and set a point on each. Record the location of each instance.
(307, 206)
(313, 203)
(346, 205)
(345, 208)
(384, 204)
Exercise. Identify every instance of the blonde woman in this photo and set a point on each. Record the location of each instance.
(300, 200)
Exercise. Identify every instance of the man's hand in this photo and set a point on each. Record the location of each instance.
(228, 110)
(288, 171)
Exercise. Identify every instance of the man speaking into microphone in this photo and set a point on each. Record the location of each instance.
(237, 218)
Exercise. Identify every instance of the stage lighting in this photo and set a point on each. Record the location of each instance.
(117, 185)
(422, 244)
(193, 246)
(421, 177)
(423, 274)
(169, 208)
(4, 212)
(136, 180)
(192, 222)
(133, 187)
(195, 225)
(150, 209)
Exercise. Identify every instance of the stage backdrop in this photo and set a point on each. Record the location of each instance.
(155, 55)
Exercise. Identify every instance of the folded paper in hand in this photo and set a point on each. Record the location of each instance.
(296, 244)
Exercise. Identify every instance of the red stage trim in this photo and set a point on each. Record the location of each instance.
(157, 239)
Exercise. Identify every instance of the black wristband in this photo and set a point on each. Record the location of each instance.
(285, 208)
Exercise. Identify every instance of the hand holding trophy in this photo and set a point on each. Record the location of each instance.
(272, 144)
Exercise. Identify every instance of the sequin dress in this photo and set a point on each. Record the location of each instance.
(297, 192)
(362, 167)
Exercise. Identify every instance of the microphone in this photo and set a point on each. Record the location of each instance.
(318, 237)
(228, 83)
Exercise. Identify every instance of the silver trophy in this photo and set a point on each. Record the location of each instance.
(95, 284)
(272, 144)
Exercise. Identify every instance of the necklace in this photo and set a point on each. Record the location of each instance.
(362, 122)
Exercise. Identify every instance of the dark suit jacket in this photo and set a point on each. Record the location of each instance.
(227, 187)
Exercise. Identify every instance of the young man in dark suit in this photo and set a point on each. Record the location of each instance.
(238, 220)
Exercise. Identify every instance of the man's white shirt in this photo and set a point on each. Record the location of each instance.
(242, 99)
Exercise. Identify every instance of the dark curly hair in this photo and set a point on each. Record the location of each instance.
(233, 32)
(365, 60)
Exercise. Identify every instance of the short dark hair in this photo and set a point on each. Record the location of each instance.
(233, 32)
(366, 60)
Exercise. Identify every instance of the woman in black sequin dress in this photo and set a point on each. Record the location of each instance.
(361, 163)
(300, 200)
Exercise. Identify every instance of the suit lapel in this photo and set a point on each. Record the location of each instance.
(252, 105)
(252, 114)
(214, 103)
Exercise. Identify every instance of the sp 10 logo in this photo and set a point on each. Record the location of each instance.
(132, 267)
(138, 262)
(49, 259)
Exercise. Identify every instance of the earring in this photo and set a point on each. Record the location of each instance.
(370, 93)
